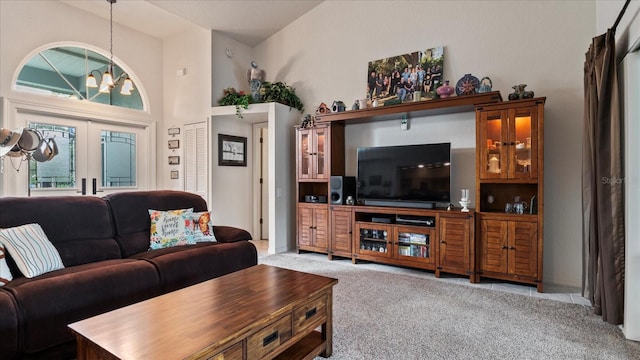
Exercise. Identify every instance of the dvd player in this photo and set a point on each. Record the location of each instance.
(416, 220)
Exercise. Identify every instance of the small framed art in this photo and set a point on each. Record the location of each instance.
(174, 131)
(174, 174)
(174, 144)
(174, 160)
(232, 150)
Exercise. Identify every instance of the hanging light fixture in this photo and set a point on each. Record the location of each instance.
(107, 79)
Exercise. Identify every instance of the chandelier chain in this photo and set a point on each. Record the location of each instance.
(111, 33)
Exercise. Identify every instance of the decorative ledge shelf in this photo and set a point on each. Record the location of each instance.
(449, 105)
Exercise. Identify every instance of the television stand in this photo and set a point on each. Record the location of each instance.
(428, 239)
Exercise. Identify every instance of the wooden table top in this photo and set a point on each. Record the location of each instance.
(215, 312)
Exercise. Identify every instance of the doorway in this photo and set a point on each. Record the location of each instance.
(95, 158)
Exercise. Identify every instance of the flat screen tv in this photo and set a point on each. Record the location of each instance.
(405, 176)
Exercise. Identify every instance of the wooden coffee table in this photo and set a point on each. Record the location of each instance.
(262, 312)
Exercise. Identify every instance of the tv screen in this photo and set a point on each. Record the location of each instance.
(407, 175)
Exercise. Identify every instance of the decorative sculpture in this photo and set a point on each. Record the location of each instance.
(256, 77)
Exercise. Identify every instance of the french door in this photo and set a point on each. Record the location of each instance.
(94, 158)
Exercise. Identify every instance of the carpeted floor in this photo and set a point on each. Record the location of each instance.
(380, 316)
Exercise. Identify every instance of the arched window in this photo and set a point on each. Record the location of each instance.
(63, 72)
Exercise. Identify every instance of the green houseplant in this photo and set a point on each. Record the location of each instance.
(269, 92)
(239, 99)
(281, 93)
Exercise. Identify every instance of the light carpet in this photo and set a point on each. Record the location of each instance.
(379, 315)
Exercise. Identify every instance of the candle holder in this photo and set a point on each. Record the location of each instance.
(464, 205)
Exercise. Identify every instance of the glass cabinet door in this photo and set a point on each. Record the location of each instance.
(313, 155)
(524, 145)
(320, 151)
(373, 240)
(414, 244)
(304, 154)
(493, 144)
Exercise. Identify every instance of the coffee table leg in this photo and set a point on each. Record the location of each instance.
(327, 327)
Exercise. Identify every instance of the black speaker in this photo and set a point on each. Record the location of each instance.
(341, 187)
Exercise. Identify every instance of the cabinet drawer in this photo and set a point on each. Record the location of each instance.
(311, 313)
(233, 352)
(269, 338)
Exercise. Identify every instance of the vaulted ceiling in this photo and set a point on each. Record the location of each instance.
(247, 21)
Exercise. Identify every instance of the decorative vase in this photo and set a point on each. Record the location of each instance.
(520, 93)
(445, 90)
(515, 95)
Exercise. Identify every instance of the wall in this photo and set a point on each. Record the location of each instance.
(627, 33)
(539, 43)
(232, 186)
(228, 71)
(187, 94)
(58, 22)
(29, 26)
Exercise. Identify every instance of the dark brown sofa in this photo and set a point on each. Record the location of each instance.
(103, 243)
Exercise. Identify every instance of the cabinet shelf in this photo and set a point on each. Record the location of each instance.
(410, 243)
(449, 105)
(374, 240)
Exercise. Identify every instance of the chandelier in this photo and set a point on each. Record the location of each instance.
(108, 81)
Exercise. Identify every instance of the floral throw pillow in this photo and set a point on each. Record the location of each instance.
(200, 227)
(5, 274)
(169, 228)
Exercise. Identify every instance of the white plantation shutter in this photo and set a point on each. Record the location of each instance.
(196, 164)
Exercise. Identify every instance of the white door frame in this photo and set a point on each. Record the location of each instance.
(257, 174)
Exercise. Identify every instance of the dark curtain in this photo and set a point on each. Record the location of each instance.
(602, 183)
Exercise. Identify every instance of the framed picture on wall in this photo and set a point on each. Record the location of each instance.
(174, 144)
(174, 160)
(174, 174)
(396, 79)
(232, 150)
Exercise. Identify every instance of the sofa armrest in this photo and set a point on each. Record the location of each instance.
(227, 234)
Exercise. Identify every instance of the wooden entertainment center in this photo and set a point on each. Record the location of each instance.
(485, 242)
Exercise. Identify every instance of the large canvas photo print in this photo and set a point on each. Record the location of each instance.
(400, 78)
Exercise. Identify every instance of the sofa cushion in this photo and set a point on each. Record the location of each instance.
(51, 301)
(130, 211)
(183, 266)
(80, 227)
(8, 326)
(170, 228)
(30, 248)
(5, 274)
(200, 227)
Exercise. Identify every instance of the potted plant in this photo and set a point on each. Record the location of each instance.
(281, 93)
(233, 97)
(269, 92)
